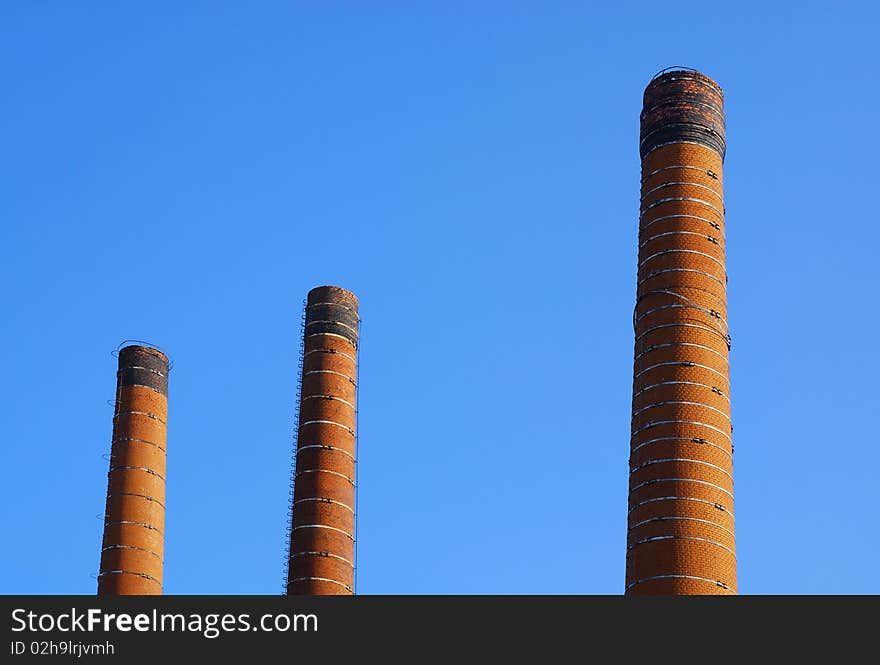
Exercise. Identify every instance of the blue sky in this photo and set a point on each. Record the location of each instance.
(184, 172)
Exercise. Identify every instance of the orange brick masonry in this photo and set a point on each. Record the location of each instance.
(134, 518)
(680, 536)
(322, 541)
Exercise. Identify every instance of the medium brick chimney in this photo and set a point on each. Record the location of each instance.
(680, 536)
(322, 541)
(134, 518)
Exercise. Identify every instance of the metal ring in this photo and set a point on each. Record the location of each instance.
(667, 101)
(312, 446)
(131, 547)
(322, 553)
(689, 100)
(142, 368)
(654, 347)
(335, 304)
(129, 572)
(330, 371)
(679, 233)
(656, 538)
(714, 87)
(714, 389)
(682, 182)
(675, 289)
(705, 310)
(149, 345)
(322, 499)
(675, 68)
(335, 473)
(142, 496)
(143, 524)
(665, 270)
(333, 397)
(676, 166)
(682, 402)
(681, 251)
(657, 423)
(673, 199)
(680, 498)
(324, 526)
(329, 334)
(140, 413)
(124, 467)
(675, 518)
(321, 579)
(682, 363)
(688, 577)
(128, 439)
(335, 323)
(141, 385)
(681, 142)
(654, 481)
(715, 314)
(327, 422)
(714, 331)
(689, 125)
(333, 351)
(711, 222)
(677, 459)
(661, 439)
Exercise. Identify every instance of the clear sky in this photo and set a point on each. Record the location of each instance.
(184, 173)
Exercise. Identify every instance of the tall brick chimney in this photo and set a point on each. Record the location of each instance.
(134, 518)
(680, 536)
(321, 557)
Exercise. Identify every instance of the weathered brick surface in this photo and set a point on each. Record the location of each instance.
(681, 468)
(328, 382)
(680, 587)
(683, 507)
(324, 512)
(675, 410)
(689, 429)
(140, 454)
(682, 556)
(326, 459)
(663, 354)
(686, 449)
(321, 554)
(689, 258)
(134, 516)
(327, 434)
(148, 534)
(682, 334)
(679, 371)
(122, 480)
(680, 523)
(317, 587)
(681, 173)
(323, 566)
(322, 484)
(681, 487)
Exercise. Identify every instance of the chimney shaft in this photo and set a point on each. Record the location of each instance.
(322, 541)
(680, 536)
(134, 518)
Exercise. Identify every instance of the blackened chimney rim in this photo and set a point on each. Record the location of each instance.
(146, 346)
